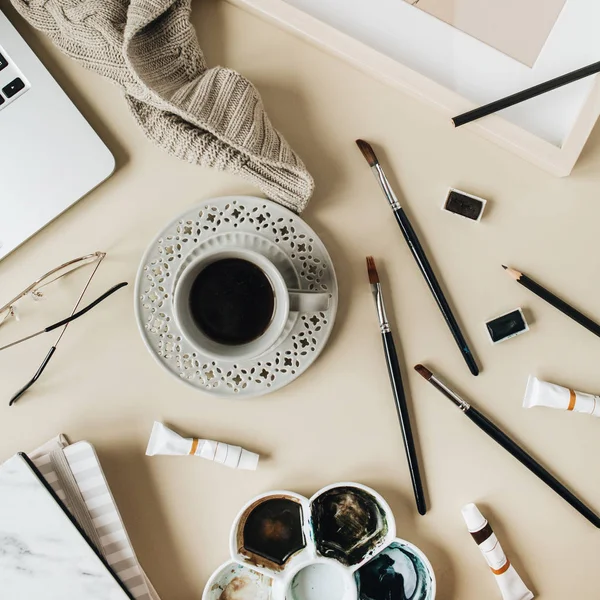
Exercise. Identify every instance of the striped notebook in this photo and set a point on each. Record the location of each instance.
(76, 476)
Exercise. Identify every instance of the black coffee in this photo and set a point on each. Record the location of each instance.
(232, 301)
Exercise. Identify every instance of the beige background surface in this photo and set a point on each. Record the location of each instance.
(337, 422)
(516, 27)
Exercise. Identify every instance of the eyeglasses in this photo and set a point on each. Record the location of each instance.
(10, 310)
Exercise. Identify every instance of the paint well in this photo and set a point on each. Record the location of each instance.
(237, 582)
(273, 530)
(348, 524)
(319, 582)
(397, 573)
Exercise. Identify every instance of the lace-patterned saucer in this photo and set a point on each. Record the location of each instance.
(259, 225)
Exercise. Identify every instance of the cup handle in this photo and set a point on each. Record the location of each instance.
(308, 302)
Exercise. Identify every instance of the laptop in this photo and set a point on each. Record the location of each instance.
(50, 157)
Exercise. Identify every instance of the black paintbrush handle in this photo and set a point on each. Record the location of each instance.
(415, 246)
(527, 94)
(559, 304)
(391, 358)
(508, 444)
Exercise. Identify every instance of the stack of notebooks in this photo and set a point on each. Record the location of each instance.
(61, 535)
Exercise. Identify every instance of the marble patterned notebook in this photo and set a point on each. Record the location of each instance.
(43, 554)
(76, 476)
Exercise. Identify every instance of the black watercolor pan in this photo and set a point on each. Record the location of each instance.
(400, 572)
(350, 523)
(464, 205)
(507, 326)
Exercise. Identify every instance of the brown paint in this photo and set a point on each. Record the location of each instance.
(270, 540)
(483, 534)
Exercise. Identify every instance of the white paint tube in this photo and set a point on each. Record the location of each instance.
(164, 441)
(542, 393)
(508, 580)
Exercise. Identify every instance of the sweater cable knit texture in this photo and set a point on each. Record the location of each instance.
(210, 117)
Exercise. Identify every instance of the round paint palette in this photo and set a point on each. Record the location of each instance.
(338, 545)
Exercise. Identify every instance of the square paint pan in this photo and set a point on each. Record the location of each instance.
(464, 205)
(507, 326)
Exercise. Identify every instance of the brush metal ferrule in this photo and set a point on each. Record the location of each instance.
(386, 187)
(384, 325)
(451, 394)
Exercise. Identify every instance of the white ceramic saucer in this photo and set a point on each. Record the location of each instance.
(255, 224)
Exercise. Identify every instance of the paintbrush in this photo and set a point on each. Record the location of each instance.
(393, 366)
(509, 445)
(417, 250)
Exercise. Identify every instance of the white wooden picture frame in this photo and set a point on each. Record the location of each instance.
(550, 131)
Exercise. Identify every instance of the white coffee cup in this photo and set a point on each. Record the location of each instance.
(286, 301)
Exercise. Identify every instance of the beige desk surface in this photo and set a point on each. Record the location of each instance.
(338, 421)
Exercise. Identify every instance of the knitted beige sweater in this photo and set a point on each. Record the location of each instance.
(211, 117)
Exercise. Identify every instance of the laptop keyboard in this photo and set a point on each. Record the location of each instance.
(13, 83)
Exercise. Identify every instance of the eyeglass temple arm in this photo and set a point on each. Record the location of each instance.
(66, 321)
(84, 260)
(89, 307)
(37, 375)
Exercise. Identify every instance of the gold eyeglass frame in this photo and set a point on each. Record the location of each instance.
(8, 310)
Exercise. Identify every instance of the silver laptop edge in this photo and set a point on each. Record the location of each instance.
(50, 157)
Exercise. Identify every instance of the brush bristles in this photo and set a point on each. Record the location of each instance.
(372, 269)
(424, 372)
(367, 152)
